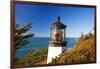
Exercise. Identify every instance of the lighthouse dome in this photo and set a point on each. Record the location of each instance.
(58, 24)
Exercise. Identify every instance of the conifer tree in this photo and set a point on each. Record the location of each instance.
(21, 36)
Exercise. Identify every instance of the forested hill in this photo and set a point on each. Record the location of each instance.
(83, 52)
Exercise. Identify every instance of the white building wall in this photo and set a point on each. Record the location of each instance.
(53, 52)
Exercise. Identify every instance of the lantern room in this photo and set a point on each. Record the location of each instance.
(58, 33)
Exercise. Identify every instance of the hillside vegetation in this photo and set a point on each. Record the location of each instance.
(32, 58)
(83, 52)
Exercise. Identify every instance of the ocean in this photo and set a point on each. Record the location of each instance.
(40, 42)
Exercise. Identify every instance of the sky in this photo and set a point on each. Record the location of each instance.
(77, 19)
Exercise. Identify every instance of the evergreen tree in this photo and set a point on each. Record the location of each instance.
(21, 36)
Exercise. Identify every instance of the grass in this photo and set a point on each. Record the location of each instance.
(83, 52)
(33, 58)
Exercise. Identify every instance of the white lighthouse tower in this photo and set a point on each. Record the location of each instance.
(57, 43)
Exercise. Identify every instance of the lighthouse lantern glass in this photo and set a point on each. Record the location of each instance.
(57, 35)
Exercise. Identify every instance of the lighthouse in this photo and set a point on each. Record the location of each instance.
(57, 43)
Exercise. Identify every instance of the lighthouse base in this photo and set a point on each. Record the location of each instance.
(54, 52)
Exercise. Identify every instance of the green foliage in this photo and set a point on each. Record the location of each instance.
(21, 36)
(83, 52)
(33, 57)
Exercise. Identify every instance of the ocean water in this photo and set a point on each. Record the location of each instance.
(40, 42)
